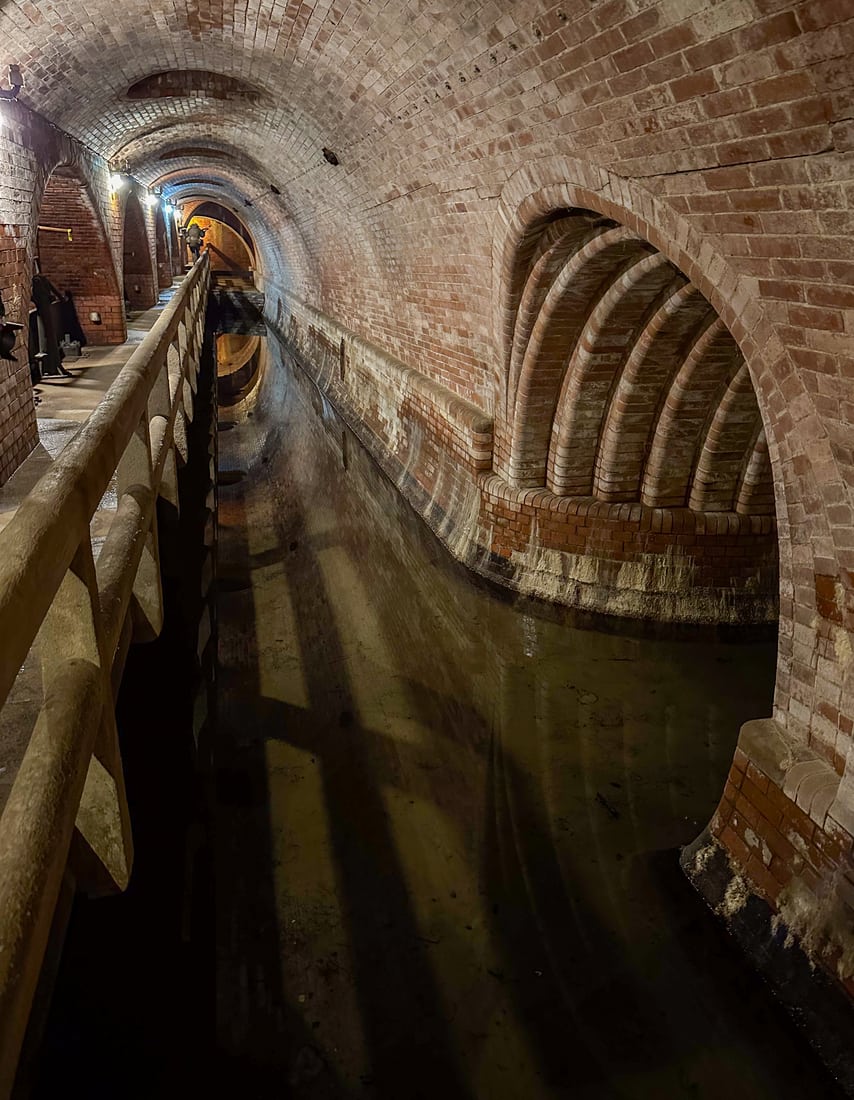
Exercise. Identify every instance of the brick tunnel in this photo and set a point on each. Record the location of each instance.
(495, 548)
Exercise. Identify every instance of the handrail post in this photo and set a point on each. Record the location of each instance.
(134, 469)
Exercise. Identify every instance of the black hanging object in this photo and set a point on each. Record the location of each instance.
(275, 189)
(330, 156)
(8, 334)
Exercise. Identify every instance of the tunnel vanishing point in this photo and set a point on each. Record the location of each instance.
(577, 275)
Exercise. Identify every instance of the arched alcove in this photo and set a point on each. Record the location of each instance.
(631, 465)
(176, 247)
(164, 259)
(624, 385)
(74, 254)
(138, 270)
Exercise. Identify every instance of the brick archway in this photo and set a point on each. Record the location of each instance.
(624, 385)
(228, 241)
(74, 253)
(176, 247)
(776, 836)
(137, 268)
(623, 401)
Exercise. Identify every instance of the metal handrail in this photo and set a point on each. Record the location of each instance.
(70, 777)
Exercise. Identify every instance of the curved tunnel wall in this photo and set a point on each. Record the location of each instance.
(629, 473)
(718, 134)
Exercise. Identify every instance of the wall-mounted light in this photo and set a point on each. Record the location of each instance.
(152, 200)
(16, 82)
(118, 180)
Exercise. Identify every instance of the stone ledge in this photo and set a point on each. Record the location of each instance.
(816, 1004)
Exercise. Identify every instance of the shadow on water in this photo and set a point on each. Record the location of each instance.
(400, 1010)
(442, 829)
(445, 830)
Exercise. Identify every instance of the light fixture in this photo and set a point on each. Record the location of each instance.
(16, 82)
(118, 180)
(330, 157)
(152, 200)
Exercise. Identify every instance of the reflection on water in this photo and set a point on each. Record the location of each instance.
(240, 359)
(446, 828)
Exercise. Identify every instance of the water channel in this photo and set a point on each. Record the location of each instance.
(446, 825)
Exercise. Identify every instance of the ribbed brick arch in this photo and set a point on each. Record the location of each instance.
(82, 264)
(138, 270)
(617, 362)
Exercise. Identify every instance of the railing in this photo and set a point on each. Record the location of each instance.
(81, 615)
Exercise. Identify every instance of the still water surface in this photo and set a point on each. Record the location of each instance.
(447, 828)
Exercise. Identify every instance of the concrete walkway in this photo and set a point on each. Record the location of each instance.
(66, 403)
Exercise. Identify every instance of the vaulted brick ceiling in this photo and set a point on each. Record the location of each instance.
(432, 105)
(274, 82)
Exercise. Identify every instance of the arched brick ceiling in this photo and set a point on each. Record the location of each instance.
(293, 55)
(195, 153)
(399, 89)
(432, 105)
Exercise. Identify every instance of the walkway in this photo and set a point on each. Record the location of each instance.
(66, 403)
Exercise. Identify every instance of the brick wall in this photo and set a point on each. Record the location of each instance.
(17, 417)
(31, 150)
(620, 559)
(721, 133)
(139, 266)
(83, 265)
(163, 250)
